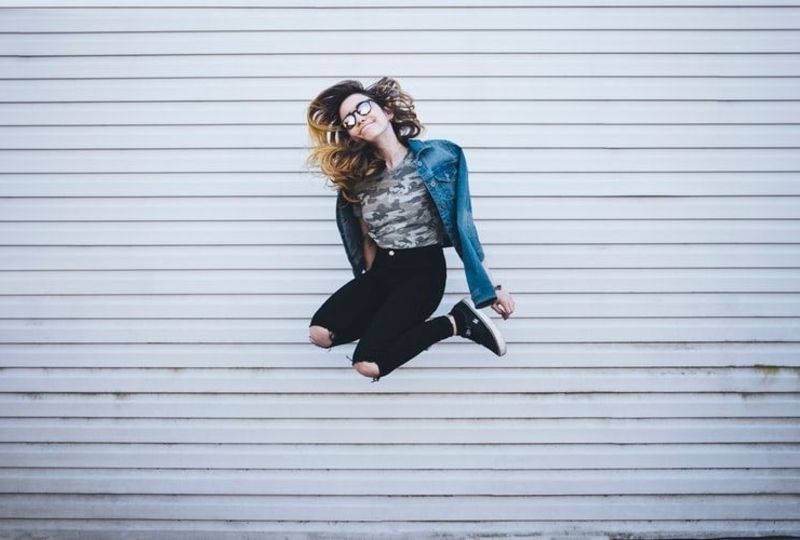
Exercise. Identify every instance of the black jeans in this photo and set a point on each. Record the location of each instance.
(386, 307)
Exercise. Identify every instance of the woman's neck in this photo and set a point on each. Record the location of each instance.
(393, 152)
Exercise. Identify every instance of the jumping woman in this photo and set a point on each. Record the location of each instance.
(400, 201)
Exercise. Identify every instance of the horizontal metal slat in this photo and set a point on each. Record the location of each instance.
(588, 405)
(325, 282)
(507, 136)
(383, 508)
(22, 210)
(438, 113)
(280, 307)
(515, 330)
(102, 529)
(443, 40)
(332, 257)
(544, 456)
(284, 18)
(513, 160)
(482, 184)
(404, 483)
(400, 431)
(341, 378)
(450, 353)
(324, 232)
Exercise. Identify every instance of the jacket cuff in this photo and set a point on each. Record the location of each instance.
(485, 303)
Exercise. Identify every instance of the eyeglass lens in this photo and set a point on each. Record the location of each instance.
(362, 109)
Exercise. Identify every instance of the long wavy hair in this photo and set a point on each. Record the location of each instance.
(344, 161)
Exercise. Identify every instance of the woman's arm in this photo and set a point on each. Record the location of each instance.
(504, 305)
(369, 245)
(488, 271)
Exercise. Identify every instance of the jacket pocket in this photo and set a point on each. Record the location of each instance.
(447, 172)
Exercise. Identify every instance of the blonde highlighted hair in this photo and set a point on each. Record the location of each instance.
(345, 161)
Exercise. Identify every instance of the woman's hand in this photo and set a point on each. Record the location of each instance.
(504, 305)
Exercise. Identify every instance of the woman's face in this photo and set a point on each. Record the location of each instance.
(370, 126)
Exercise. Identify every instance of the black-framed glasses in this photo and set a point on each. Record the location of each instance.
(363, 108)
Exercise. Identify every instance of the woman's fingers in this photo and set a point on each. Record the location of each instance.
(508, 305)
(504, 305)
(502, 310)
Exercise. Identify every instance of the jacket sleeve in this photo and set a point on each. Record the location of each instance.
(464, 201)
(480, 284)
(351, 235)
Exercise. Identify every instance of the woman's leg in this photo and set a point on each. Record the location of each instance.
(345, 314)
(399, 330)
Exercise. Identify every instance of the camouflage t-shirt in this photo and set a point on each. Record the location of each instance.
(398, 209)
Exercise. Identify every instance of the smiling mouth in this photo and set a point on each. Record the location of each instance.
(365, 126)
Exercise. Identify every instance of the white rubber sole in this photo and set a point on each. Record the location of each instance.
(489, 324)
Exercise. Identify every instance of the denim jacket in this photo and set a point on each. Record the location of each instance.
(443, 168)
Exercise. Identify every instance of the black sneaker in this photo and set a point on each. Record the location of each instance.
(474, 325)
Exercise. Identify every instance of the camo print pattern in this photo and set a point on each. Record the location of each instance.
(398, 209)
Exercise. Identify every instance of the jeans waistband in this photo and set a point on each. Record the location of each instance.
(410, 257)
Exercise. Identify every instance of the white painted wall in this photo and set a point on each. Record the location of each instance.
(634, 171)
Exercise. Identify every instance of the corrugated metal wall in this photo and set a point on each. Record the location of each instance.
(634, 168)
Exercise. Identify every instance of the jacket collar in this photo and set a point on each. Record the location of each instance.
(418, 145)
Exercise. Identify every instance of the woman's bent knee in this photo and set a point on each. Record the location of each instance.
(321, 336)
(367, 369)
